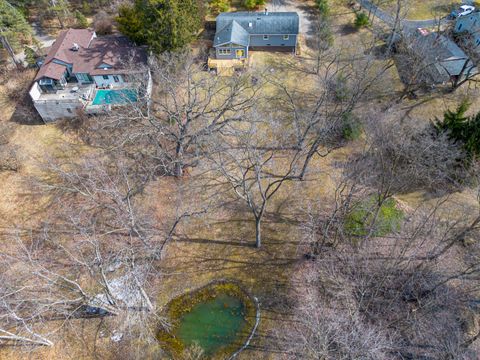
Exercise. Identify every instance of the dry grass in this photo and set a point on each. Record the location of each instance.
(426, 9)
(220, 244)
(34, 143)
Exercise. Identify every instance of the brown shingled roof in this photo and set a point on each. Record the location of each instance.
(61, 48)
(51, 70)
(113, 50)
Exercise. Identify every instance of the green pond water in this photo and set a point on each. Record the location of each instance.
(213, 324)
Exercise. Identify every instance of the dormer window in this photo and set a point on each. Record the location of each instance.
(104, 66)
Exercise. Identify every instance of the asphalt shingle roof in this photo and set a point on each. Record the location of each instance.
(236, 26)
(443, 54)
(233, 33)
(114, 50)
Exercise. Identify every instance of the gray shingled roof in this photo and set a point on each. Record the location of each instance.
(231, 33)
(235, 24)
(444, 55)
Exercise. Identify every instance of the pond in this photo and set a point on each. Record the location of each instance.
(213, 324)
(218, 317)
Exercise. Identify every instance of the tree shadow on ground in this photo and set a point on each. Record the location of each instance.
(25, 114)
(347, 29)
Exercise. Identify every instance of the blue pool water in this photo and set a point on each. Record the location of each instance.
(107, 97)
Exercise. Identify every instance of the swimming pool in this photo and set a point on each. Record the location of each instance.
(107, 97)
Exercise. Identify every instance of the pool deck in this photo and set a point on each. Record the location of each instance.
(66, 102)
(71, 92)
(74, 92)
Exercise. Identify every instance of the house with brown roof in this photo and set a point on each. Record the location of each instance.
(83, 71)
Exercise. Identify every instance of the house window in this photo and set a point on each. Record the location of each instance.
(224, 51)
(83, 78)
(265, 37)
(105, 77)
(285, 37)
(115, 78)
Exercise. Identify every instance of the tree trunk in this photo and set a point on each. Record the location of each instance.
(258, 232)
(395, 25)
(60, 21)
(7, 46)
(179, 161)
(13, 337)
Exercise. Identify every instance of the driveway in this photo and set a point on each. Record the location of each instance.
(43, 41)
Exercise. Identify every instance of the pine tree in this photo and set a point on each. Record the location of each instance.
(472, 136)
(323, 7)
(162, 24)
(130, 23)
(218, 6)
(86, 8)
(61, 9)
(13, 27)
(253, 4)
(30, 56)
(455, 122)
(82, 22)
(461, 128)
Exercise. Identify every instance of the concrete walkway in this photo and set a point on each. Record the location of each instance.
(408, 25)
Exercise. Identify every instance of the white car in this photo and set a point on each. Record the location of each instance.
(463, 11)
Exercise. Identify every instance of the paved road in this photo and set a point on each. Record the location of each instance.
(43, 40)
(390, 20)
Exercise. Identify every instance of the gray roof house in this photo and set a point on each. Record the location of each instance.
(442, 59)
(238, 32)
(470, 26)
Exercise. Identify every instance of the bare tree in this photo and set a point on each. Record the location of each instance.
(317, 118)
(188, 108)
(401, 294)
(251, 166)
(378, 299)
(96, 255)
